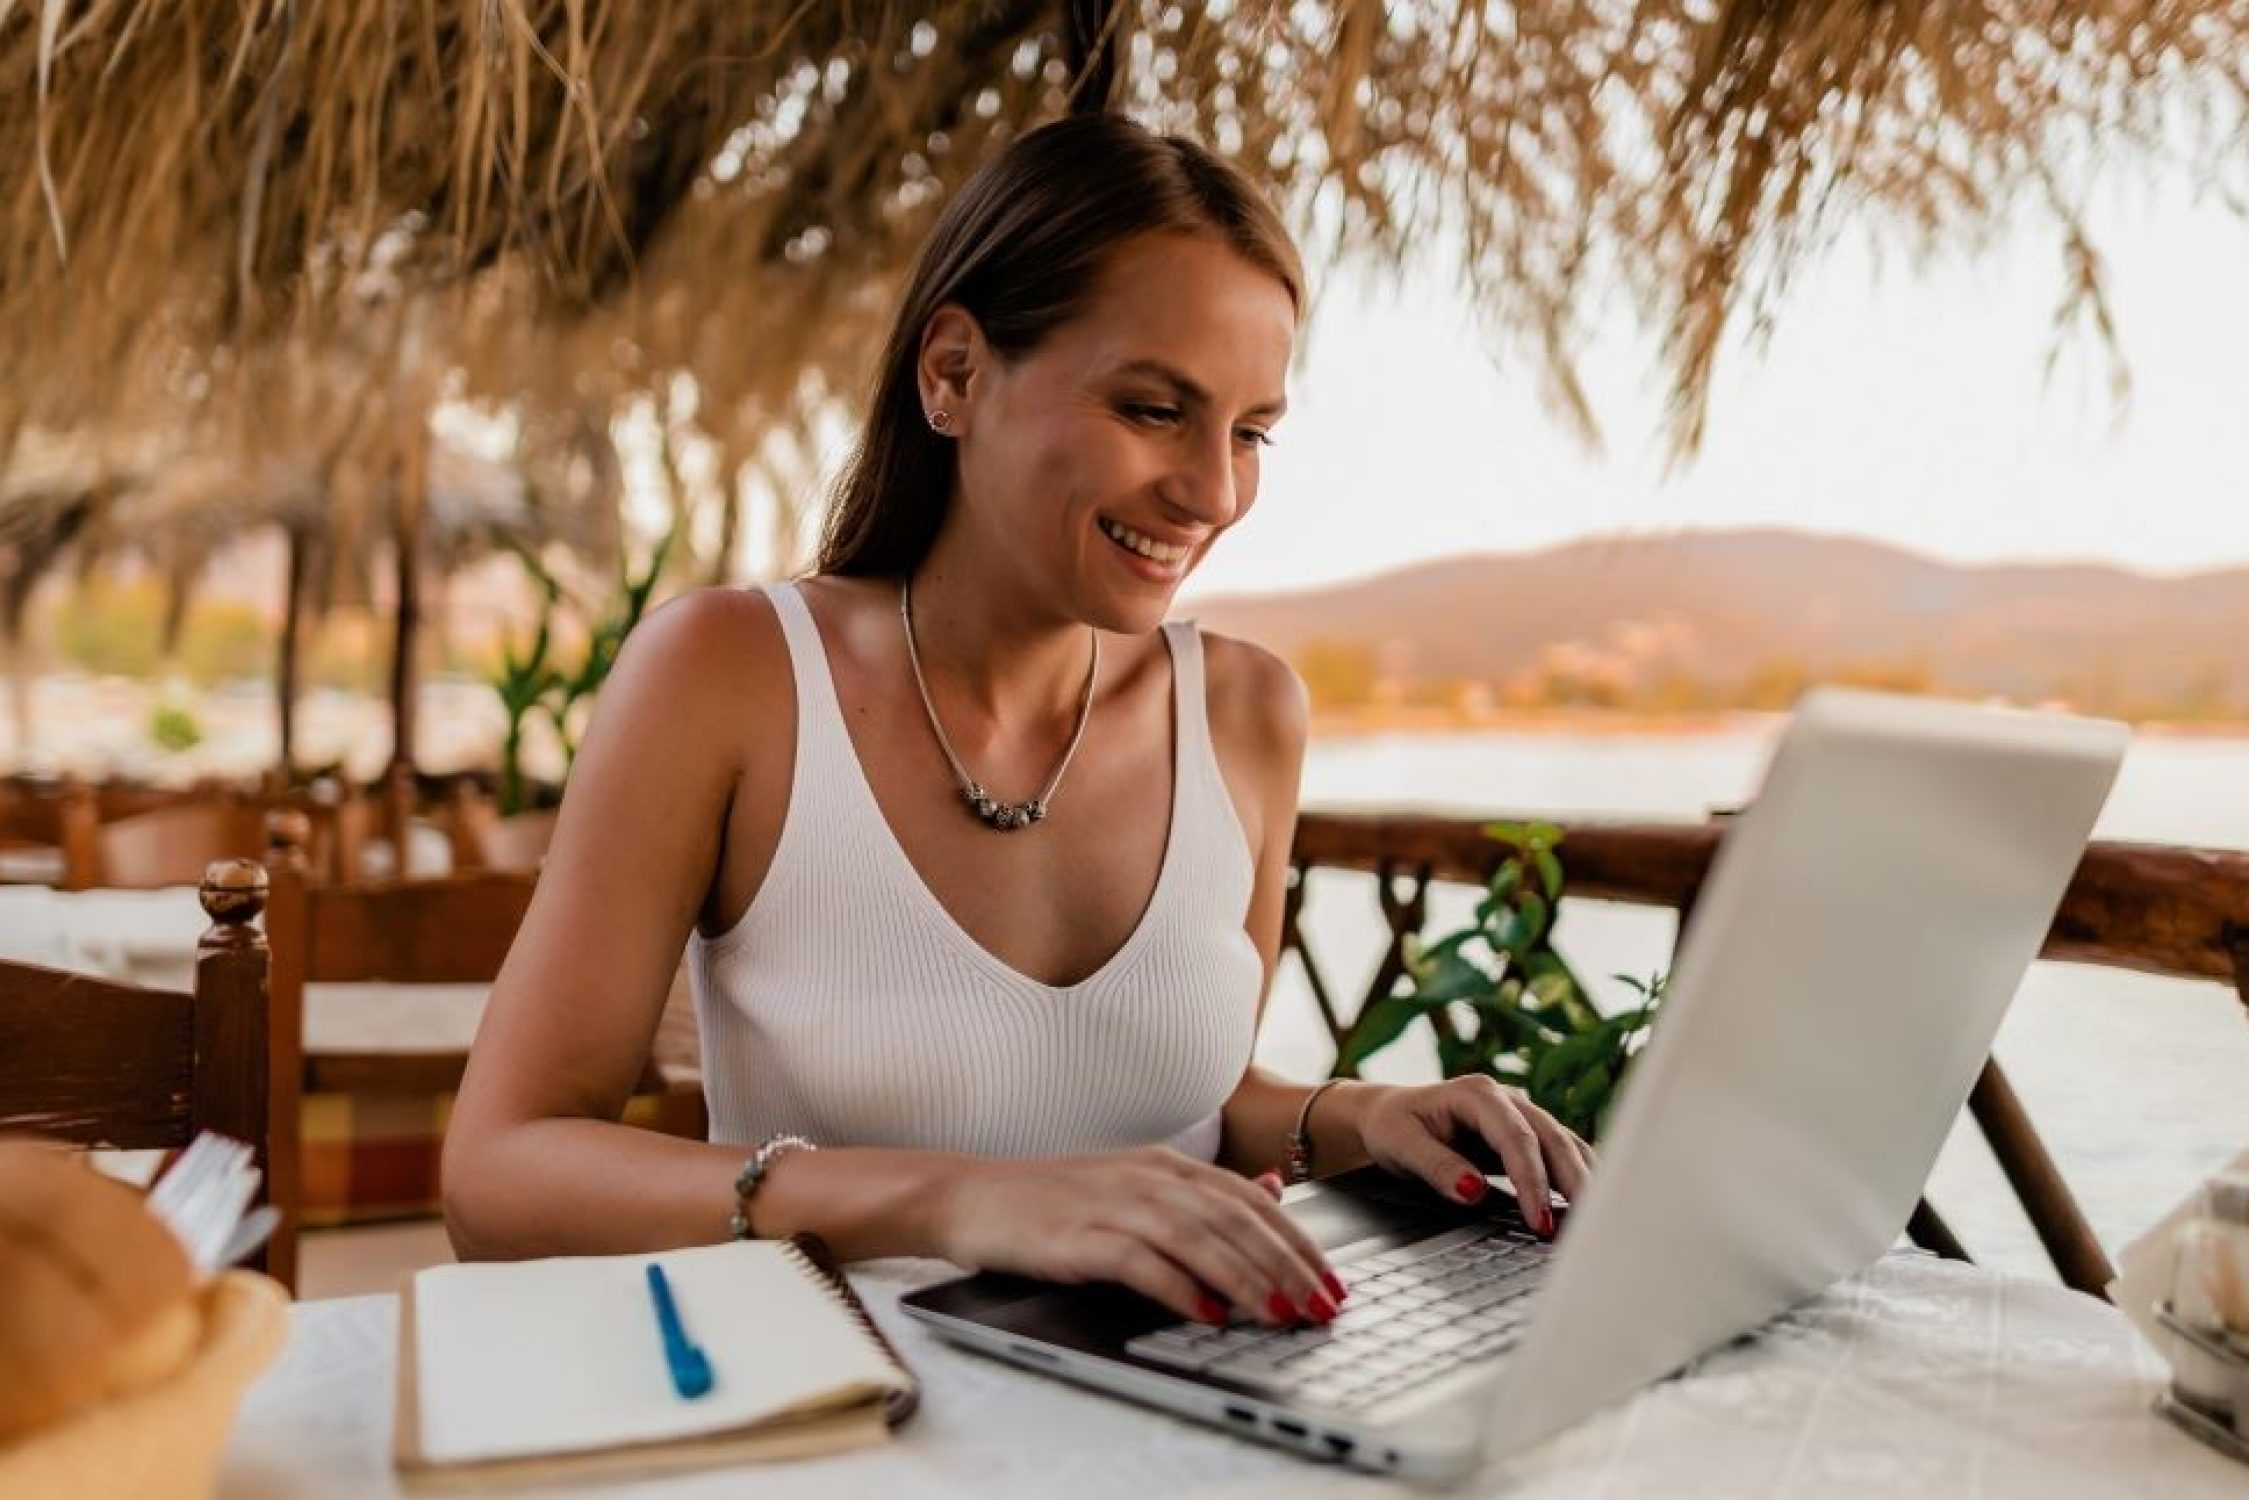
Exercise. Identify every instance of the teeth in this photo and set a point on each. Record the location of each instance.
(1146, 546)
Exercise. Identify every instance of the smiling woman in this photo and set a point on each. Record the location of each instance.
(1032, 1052)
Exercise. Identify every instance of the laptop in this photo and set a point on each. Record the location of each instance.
(1856, 943)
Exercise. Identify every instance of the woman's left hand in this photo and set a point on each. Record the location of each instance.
(1411, 1131)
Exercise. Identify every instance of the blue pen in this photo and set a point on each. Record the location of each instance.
(691, 1367)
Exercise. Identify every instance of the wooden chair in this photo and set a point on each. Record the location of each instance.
(100, 1063)
(173, 845)
(340, 822)
(49, 833)
(449, 930)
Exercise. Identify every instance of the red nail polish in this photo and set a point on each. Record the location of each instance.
(1336, 1288)
(1471, 1187)
(1280, 1309)
(1210, 1310)
(1320, 1308)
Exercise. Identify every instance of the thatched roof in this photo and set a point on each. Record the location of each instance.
(174, 498)
(564, 204)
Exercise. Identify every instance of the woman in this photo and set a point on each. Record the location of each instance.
(983, 863)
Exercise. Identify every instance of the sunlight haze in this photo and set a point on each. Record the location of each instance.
(1907, 405)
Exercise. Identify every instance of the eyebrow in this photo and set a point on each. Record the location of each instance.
(1189, 391)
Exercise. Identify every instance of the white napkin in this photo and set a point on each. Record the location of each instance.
(2144, 1275)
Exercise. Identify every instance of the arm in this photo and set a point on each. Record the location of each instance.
(1261, 720)
(1407, 1130)
(536, 1161)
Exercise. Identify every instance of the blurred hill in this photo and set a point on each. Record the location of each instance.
(1745, 619)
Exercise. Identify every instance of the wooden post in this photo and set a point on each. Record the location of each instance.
(285, 924)
(2061, 1226)
(79, 835)
(1292, 941)
(2237, 944)
(238, 1054)
(292, 649)
(397, 814)
(413, 480)
(469, 819)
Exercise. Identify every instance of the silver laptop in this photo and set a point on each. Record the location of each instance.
(1856, 944)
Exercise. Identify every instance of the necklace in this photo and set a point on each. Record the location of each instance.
(1006, 817)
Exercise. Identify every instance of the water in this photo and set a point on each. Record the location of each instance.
(2139, 1085)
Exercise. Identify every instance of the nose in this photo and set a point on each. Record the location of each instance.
(1205, 486)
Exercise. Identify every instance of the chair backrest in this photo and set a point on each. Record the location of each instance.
(450, 929)
(442, 930)
(173, 845)
(447, 929)
(101, 1063)
(53, 830)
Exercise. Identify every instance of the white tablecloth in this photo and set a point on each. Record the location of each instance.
(1918, 1378)
(145, 937)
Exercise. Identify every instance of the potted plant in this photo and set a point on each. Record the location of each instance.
(1501, 1000)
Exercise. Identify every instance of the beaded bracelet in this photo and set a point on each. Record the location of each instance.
(746, 1181)
(1299, 1158)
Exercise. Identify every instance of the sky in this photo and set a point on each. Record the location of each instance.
(1912, 405)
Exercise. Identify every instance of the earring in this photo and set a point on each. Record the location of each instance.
(940, 421)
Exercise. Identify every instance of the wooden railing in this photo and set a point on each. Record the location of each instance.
(2156, 908)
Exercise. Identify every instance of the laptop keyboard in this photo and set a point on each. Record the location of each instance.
(1414, 1313)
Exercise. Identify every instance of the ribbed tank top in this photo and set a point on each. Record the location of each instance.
(847, 1005)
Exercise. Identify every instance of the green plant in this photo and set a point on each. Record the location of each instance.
(1502, 1001)
(174, 728)
(530, 681)
(524, 678)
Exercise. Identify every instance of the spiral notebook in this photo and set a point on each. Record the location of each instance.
(556, 1368)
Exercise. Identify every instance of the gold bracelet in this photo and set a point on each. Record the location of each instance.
(1299, 1157)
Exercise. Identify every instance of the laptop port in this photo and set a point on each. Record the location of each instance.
(1037, 1355)
(1339, 1445)
(1241, 1414)
(1286, 1428)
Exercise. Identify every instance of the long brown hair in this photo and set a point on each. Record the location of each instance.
(1020, 248)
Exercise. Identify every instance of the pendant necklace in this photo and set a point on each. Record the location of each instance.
(1005, 817)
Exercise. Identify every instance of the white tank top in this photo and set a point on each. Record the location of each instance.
(848, 1006)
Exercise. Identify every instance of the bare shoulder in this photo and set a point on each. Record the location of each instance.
(710, 645)
(709, 627)
(1257, 702)
(698, 672)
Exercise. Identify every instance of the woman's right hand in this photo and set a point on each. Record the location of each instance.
(1197, 1238)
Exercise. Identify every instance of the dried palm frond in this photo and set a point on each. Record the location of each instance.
(566, 205)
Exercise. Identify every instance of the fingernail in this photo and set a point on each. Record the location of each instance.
(1320, 1308)
(1270, 1181)
(1471, 1187)
(1210, 1310)
(1335, 1286)
(1280, 1309)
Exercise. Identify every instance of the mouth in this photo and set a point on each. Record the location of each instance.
(1170, 557)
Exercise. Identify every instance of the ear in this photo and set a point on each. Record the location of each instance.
(949, 370)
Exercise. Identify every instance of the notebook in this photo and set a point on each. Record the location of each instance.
(556, 1368)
